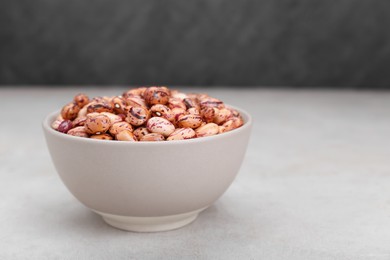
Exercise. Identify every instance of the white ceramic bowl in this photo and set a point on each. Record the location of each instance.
(148, 186)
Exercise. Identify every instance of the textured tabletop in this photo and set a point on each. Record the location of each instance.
(315, 184)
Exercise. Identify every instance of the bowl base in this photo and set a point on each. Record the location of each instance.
(150, 224)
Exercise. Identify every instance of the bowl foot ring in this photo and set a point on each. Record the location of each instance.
(150, 224)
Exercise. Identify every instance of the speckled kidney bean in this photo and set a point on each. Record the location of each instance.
(135, 101)
(65, 126)
(162, 111)
(101, 106)
(119, 105)
(222, 115)
(207, 130)
(208, 113)
(102, 137)
(179, 95)
(181, 134)
(211, 102)
(113, 118)
(193, 111)
(79, 121)
(191, 103)
(191, 121)
(176, 103)
(78, 131)
(134, 92)
(140, 132)
(160, 125)
(70, 111)
(137, 116)
(231, 124)
(125, 135)
(57, 122)
(119, 126)
(97, 124)
(81, 100)
(152, 137)
(177, 112)
(156, 95)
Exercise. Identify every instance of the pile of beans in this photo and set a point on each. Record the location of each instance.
(146, 114)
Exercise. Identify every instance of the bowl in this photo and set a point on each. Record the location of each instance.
(148, 186)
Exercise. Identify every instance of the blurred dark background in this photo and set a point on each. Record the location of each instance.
(344, 43)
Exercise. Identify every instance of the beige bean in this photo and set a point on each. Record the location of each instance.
(70, 111)
(135, 101)
(191, 121)
(156, 95)
(137, 116)
(83, 112)
(181, 134)
(176, 103)
(222, 116)
(118, 127)
(152, 137)
(113, 118)
(125, 135)
(211, 102)
(193, 111)
(160, 125)
(81, 100)
(207, 130)
(134, 92)
(208, 113)
(178, 94)
(191, 103)
(119, 105)
(78, 131)
(140, 132)
(97, 123)
(101, 106)
(159, 110)
(231, 124)
(102, 137)
(79, 121)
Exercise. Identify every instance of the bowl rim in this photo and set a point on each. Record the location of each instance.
(47, 121)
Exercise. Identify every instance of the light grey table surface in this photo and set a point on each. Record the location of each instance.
(315, 184)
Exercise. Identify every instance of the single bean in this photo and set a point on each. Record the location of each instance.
(181, 134)
(140, 132)
(207, 130)
(160, 125)
(162, 111)
(156, 95)
(137, 116)
(97, 123)
(81, 100)
(113, 118)
(78, 131)
(70, 111)
(125, 135)
(102, 137)
(153, 137)
(118, 127)
(191, 121)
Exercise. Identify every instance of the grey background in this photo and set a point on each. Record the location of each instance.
(344, 43)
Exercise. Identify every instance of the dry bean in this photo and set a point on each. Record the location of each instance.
(156, 95)
(137, 116)
(119, 126)
(101, 106)
(140, 132)
(160, 125)
(65, 126)
(193, 111)
(119, 105)
(207, 130)
(135, 101)
(176, 103)
(191, 121)
(102, 137)
(153, 137)
(70, 111)
(79, 121)
(81, 100)
(211, 102)
(113, 118)
(208, 113)
(134, 92)
(125, 135)
(78, 131)
(181, 134)
(97, 124)
(162, 111)
(222, 116)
